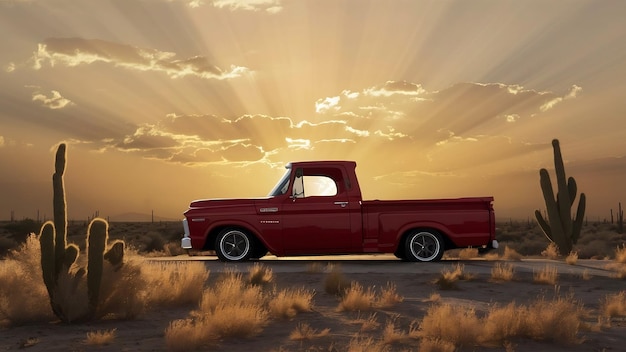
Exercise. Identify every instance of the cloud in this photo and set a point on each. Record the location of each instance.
(71, 52)
(269, 6)
(1, 141)
(55, 101)
(556, 100)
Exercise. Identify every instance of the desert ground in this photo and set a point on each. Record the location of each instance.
(593, 286)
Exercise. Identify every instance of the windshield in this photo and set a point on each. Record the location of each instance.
(282, 186)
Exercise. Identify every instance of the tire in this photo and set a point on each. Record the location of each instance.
(233, 245)
(424, 246)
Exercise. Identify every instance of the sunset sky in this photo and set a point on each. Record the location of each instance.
(166, 101)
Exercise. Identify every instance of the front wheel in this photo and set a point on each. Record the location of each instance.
(424, 246)
(233, 245)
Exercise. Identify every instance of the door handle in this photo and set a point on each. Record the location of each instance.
(343, 204)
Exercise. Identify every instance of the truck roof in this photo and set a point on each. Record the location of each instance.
(321, 163)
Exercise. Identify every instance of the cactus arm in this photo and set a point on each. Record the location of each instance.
(59, 208)
(563, 191)
(556, 228)
(544, 225)
(115, 254)
(96, 237)
(71, 254)
(572, 188)
(578, 221)
(46, 241)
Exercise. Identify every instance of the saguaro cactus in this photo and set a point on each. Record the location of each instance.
(560, 228)
(620, 219)
(57, 257)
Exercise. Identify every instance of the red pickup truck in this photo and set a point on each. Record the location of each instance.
(316, 209)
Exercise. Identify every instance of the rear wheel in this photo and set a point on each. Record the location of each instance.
(424, 246)
(233, 245)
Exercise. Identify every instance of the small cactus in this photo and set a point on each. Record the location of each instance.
(620, 219)
(560, 228)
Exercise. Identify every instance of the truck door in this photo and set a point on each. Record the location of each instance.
(316, 217)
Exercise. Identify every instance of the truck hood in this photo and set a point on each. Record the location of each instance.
(225, 202)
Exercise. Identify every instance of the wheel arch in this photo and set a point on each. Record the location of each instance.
(215, 230)
(436, 227)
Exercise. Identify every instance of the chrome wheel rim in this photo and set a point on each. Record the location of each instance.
(234, 245)
(425, 246)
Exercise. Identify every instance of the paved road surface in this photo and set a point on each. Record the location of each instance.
(390, 264)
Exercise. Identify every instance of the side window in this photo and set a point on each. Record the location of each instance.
(319, 186)
(313, 183)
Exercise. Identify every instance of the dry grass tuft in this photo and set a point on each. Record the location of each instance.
(356, 298)
(548, 275)
(458, 325)
(613, 306)
(511, 254)
(434, 297)
(572, 258)
(189, 335)
(491, 256)
(389, 296)
(368, 324)
(260, 275)
(288, 303)
(468, 253)
(392, 335)
(184, 281)
(585, 275)
(336, 283)
(304, 331)
(551, 252)
(502, 272)
(620, 254)
(100, 337)
(450, 276)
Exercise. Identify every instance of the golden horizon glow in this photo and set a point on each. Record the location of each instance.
(166, 101)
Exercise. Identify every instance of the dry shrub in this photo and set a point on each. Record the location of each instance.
(458, 325)
(468, 253)
(392, 335)
(502, 272)
(23, 295)
(367, 324)
(434, 297)
(356, 298)
(260, 275)
(558, 320)
(572, 258)
(548, 275)
(551, 252)
(336, 283)
(100, 337)
(450, 276)
(366, 344)
(184, 281)
(613, 305)
(304, 331)
(230, 309)
(620, 254)
(502, 323)
(188, 334)
(511, 254)
(389, 296)
(288, 303)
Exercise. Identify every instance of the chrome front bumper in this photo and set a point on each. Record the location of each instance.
(185, 242)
